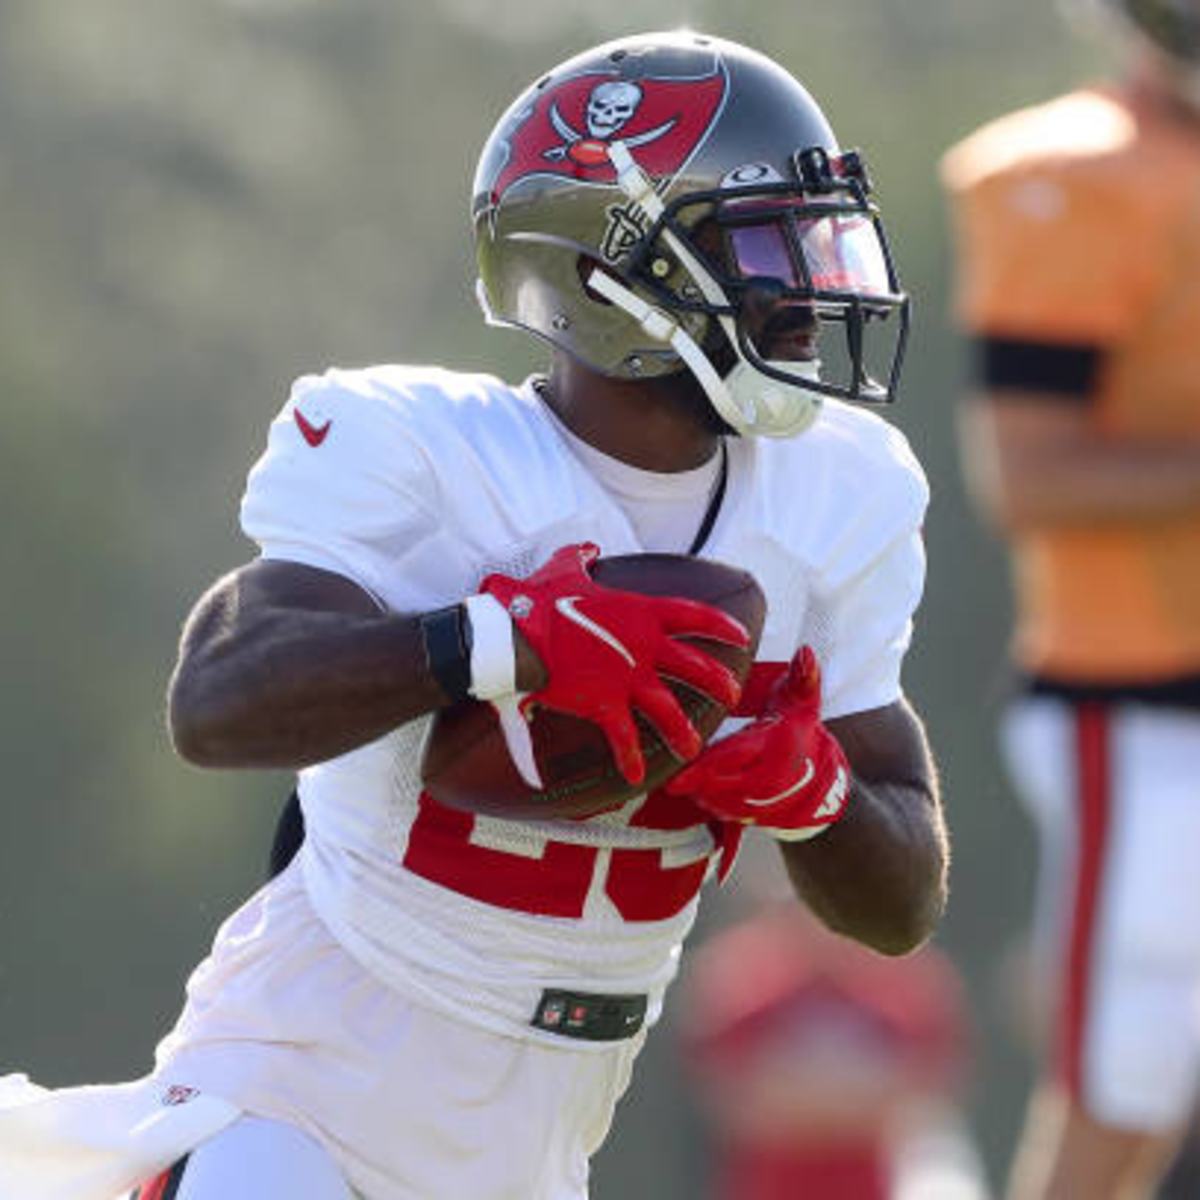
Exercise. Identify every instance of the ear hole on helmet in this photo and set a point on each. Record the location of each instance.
(585, 265)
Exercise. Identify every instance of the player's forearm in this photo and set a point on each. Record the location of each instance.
(1102, 483)
(1032, 462)
(879, 875)
(292, 688)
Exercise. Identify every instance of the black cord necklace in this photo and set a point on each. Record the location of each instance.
(714, 504)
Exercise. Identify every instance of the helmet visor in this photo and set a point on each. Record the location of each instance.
(838, 253)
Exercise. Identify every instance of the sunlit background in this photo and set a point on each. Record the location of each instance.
(201, 200)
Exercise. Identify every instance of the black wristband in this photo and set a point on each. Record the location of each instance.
(447, 650)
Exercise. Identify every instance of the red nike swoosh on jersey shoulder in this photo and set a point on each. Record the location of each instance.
(314, 435)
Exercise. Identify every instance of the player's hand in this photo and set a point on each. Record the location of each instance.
(605, 651)
(784, 772)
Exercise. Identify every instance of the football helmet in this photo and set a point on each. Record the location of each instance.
(673, 201)
(1170, 27)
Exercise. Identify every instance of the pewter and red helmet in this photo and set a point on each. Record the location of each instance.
(643, 205)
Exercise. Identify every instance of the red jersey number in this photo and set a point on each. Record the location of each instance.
(555, 884)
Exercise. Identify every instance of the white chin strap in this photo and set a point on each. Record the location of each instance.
(751, 402)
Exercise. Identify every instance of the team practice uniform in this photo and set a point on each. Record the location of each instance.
(431, 1004)
(512, 966)
(1079, 230)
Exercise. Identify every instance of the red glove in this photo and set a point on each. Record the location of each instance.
(604, 651)
(784, 772)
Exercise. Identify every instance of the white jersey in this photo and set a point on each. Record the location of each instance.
(417, 482)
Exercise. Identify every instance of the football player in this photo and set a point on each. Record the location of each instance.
(1079, 235)
(429, 1003)
(823, 1070)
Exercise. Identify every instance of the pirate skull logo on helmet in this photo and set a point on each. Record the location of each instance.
(611, 106)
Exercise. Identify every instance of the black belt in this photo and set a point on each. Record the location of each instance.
(590, 1016)
(1182, 691)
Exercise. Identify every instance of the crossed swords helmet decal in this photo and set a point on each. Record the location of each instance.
(611, 106)
(634, 204)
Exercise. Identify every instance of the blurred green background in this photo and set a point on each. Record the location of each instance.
(200, 201)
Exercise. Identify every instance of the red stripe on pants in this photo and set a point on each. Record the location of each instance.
(164, 1186)
(1093, 802)
(155, 1189)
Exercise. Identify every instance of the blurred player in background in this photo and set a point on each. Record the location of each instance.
(432, 1005)
(1078, 225)
(820, 1069)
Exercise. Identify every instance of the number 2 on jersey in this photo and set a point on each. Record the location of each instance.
(556, 883)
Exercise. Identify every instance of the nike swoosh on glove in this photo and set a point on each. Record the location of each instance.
(784, 772)
(605, 652)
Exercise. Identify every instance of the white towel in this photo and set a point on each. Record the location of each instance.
(101, 1141)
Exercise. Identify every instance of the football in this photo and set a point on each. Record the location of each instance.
(467, 762)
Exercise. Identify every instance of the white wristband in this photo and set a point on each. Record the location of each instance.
(493, 649)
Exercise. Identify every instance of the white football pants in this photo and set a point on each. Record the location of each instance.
(1115, 791)
(254, 1158)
